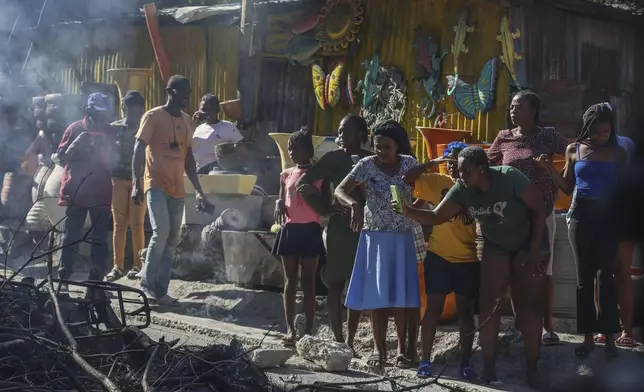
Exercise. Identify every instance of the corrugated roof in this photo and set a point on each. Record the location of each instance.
(185, 15)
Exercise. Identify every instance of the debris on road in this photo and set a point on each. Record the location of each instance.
(51, 340)
(331, 356)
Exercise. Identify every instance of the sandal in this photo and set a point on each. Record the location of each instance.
(374, 360)
(424, 369)
(288, 340)
(114, 274)
(599, 339)
(467, 372)
(611, 352)
(402, 362)
(550, 339)
(625, 341)
(584, 350)
(133, 272)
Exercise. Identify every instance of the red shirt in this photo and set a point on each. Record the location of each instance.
(87, 178)
(519, 152)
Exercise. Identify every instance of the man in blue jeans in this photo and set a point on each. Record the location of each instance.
(164, 148)
(87, 152)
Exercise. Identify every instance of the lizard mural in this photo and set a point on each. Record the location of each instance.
(429, 71)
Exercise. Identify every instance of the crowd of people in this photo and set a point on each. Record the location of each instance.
(133, 166)
(374, 242)
(390, 254)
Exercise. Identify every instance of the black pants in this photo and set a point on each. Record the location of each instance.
(74, 231)
(594, 241)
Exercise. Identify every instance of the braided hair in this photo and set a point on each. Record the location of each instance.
(597, 114)
(304, 139)
(533, 100)
(358, 123)
(395, 131)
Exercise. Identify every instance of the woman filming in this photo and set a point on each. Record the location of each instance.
(594, 164)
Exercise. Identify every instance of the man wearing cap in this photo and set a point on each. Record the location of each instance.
(124, 211)
(163, 152)
(210, 132)
(87, 153)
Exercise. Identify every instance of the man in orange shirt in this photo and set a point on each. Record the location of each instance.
(164, 147)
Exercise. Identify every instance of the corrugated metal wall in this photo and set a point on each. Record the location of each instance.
(206, 55)
(574, 61)
(437, 17)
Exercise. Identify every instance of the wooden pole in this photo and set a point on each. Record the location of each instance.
(154, 30)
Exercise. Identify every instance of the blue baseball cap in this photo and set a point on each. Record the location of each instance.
(99, 102)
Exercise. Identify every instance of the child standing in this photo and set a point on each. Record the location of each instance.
(299, 240)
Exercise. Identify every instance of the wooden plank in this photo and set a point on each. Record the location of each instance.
(154, 30)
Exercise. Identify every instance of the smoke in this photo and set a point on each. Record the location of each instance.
(49, 46)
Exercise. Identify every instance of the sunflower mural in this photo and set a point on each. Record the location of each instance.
(339, 23)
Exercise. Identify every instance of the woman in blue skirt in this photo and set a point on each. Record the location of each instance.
(385, 275)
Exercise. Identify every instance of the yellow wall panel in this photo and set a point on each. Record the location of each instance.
(400, 18)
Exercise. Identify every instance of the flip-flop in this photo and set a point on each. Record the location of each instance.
(599, 339)
(402, 362)
(424, 369)
(625, 341)
(288, 341)
(374, 360)
(584, 350)
(550, 339)
(468, 373)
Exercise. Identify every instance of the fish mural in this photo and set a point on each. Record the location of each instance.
(471, 99)
(301, 48)
(429, 70)
(307, 23)
(349, 91)
(506, 37)
(458, 46)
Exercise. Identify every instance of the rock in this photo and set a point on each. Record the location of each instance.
(266, 358)
(199, 254)
(332, 356)
(249, 260)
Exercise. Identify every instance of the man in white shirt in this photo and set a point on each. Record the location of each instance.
(210, 132)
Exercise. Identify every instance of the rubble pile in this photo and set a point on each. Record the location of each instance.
(53, 341)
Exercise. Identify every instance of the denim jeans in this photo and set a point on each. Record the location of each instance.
(165, 217)
(74, 231)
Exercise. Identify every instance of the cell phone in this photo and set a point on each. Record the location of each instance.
(209, 209)
(395, 196)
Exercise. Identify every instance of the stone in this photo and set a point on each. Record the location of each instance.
(331, 356)
(249, 260)
(199, 254)
(267, 358)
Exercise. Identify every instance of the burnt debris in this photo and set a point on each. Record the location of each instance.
(51, 340)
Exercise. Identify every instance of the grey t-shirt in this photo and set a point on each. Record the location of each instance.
(502, 215)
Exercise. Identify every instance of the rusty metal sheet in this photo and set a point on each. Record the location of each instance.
(187, 47)
(574, 61)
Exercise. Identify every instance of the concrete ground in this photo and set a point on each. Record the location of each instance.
(215, 313)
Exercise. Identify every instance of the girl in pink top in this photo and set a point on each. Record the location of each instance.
(299, 240)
